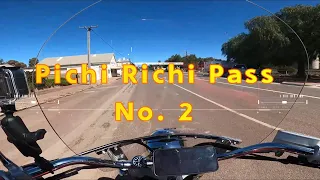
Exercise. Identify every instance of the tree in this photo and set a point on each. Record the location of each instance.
(17, 63)
(174, 58)
(270, 41)
(190, 59)
(303, 20)
(33, 62)
(1, 61)
(233, 49)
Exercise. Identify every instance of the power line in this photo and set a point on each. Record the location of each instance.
(107, 43)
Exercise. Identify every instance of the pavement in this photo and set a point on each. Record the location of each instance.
(50, 94)
(86, 120)
(317, 85)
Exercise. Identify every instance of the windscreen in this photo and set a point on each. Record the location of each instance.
(103, 74)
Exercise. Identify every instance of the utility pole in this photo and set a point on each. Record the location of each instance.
(130, 53)
(88, 28)
(187, 59)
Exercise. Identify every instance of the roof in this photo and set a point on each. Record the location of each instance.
(6, 65)
(123, 61)
(76, 60)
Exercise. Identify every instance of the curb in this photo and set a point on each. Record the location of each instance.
(61, 96)
(293, 84)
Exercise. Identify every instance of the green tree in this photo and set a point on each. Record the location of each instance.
(190, 59)
(33, 62)
(174, 58)
(17, 63)
(303, 20)
(270, 41)
(2, 61)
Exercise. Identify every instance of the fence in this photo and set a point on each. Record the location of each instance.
(313, 71)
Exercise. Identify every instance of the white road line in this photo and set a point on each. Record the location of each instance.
(261, 82)
(56, 109)
(231, 110)
(314, 97)
(89, 92)
(274, 83)
(108, 87)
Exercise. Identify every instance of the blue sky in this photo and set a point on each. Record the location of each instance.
(171, 27)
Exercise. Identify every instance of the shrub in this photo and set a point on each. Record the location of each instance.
(32, 84)
(49, 83)
(288, 69)
(46, 82)
(64, 82)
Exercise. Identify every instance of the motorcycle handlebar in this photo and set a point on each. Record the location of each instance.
(82, 160)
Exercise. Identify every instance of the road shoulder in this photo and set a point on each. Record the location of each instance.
(52, 94)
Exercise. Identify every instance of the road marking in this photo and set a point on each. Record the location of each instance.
(259, 82)
(89, 92)
(314, 97)
(231, 110)
(274, 83)
(108, 87)
(56, 109)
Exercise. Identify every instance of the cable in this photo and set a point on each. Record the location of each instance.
(106, 42)
(33, 72)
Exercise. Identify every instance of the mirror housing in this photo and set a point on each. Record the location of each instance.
(14, 85)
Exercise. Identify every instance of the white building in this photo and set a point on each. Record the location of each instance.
(120, 63)
(74, 62)
(6, 65)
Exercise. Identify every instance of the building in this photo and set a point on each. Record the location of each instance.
(6, 65)
(315, 64)
(120, 63)
(75, 62)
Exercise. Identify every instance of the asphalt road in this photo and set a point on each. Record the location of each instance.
(248, 112)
